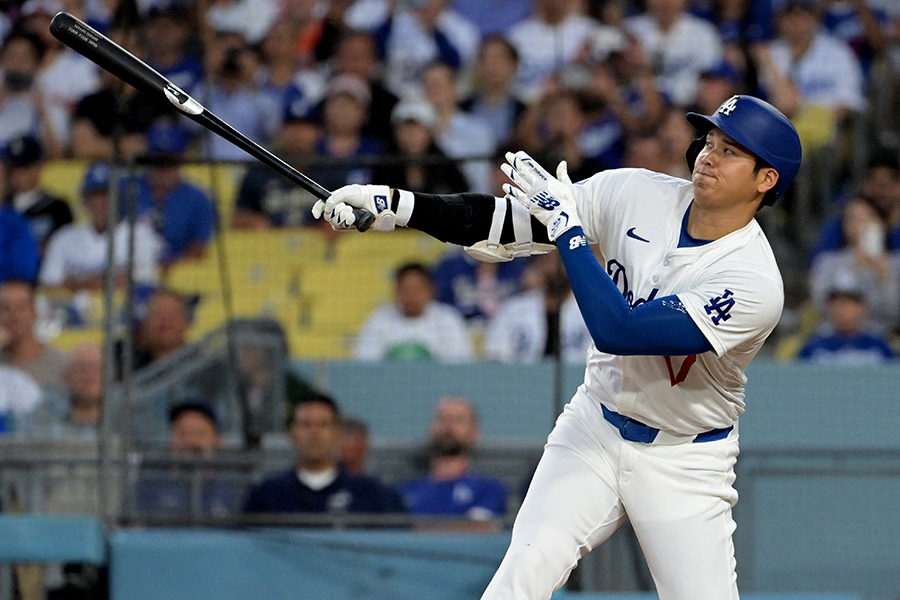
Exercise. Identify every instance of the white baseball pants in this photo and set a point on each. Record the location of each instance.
(678, 498)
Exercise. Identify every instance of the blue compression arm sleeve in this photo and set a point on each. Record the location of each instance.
(658, 327)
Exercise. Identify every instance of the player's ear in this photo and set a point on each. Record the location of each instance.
(767, 178)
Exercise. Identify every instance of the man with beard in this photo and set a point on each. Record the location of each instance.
(449, 488)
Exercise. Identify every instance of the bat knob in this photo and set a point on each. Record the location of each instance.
(364, 219)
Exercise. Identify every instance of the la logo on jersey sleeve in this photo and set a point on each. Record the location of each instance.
(721, 306)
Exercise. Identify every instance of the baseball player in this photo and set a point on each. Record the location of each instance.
(688, 292)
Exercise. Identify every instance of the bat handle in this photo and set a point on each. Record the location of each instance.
(364, 219)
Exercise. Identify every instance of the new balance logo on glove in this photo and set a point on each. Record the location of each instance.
(381, 203)
(545, 200)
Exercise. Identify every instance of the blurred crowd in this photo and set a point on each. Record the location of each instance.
(427, 95)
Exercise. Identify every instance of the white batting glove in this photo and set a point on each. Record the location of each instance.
(338, 208)
(549, 199)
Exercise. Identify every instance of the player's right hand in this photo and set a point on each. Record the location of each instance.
(338, 208)
(549, 199)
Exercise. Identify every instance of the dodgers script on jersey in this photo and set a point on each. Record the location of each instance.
(730, 287)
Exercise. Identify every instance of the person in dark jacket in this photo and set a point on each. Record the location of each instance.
(317, 483)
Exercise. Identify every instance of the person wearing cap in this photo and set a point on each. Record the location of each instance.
(844, 338)
(682, 298)
(181, 213)
(76, 254)
(425, 167)
(45, 212)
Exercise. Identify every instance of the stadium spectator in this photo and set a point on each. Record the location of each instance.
(19, 251)
(412, 35)
(428, 169)
(450, 487)
(560, 132)
(75, 411)
(678, 45)
(492, 99)
(19, 347)
(811, 76)
(717, 85)
(265, 198)
(83, 270)
(549, 39)
(317, 483)
(539, 322)
(45, 212)
(865, 262)
(166, 32)
(282, 73)
(623, 90)
(182, 214)
(646, 151)
(676, 133)
(229, 91)
(881, 185)
(163, 328)
(459, 135)
(115, 114)
(862, 24)
(414, 326)
(64, 78)
(193, 431)
(357, 54)
(845, 340)
(354, 451)
(20, 115)
(19, 398)
(344, 112)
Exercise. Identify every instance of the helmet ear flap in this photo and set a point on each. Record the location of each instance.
(693, 150)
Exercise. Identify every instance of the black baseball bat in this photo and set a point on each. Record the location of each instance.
(95, 46)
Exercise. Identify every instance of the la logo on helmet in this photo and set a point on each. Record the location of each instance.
(728, 106)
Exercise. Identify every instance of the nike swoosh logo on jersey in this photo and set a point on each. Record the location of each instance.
(630, 233)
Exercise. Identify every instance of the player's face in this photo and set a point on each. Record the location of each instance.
(316, 435)
(725, 174)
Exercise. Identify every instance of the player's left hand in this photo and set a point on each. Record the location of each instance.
(549, 199)
(337, 209)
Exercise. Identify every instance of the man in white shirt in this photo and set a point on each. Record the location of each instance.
(415, 327)
(76, 254)
(679, 46)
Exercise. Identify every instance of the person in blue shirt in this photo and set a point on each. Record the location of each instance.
(19, 254)
(182, 214)
(844, 340)
(450, 488)
(193, 431)
(317, 483)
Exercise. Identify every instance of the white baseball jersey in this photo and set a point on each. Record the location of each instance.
(730, 287)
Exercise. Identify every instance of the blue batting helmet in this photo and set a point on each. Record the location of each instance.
(760, 128)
